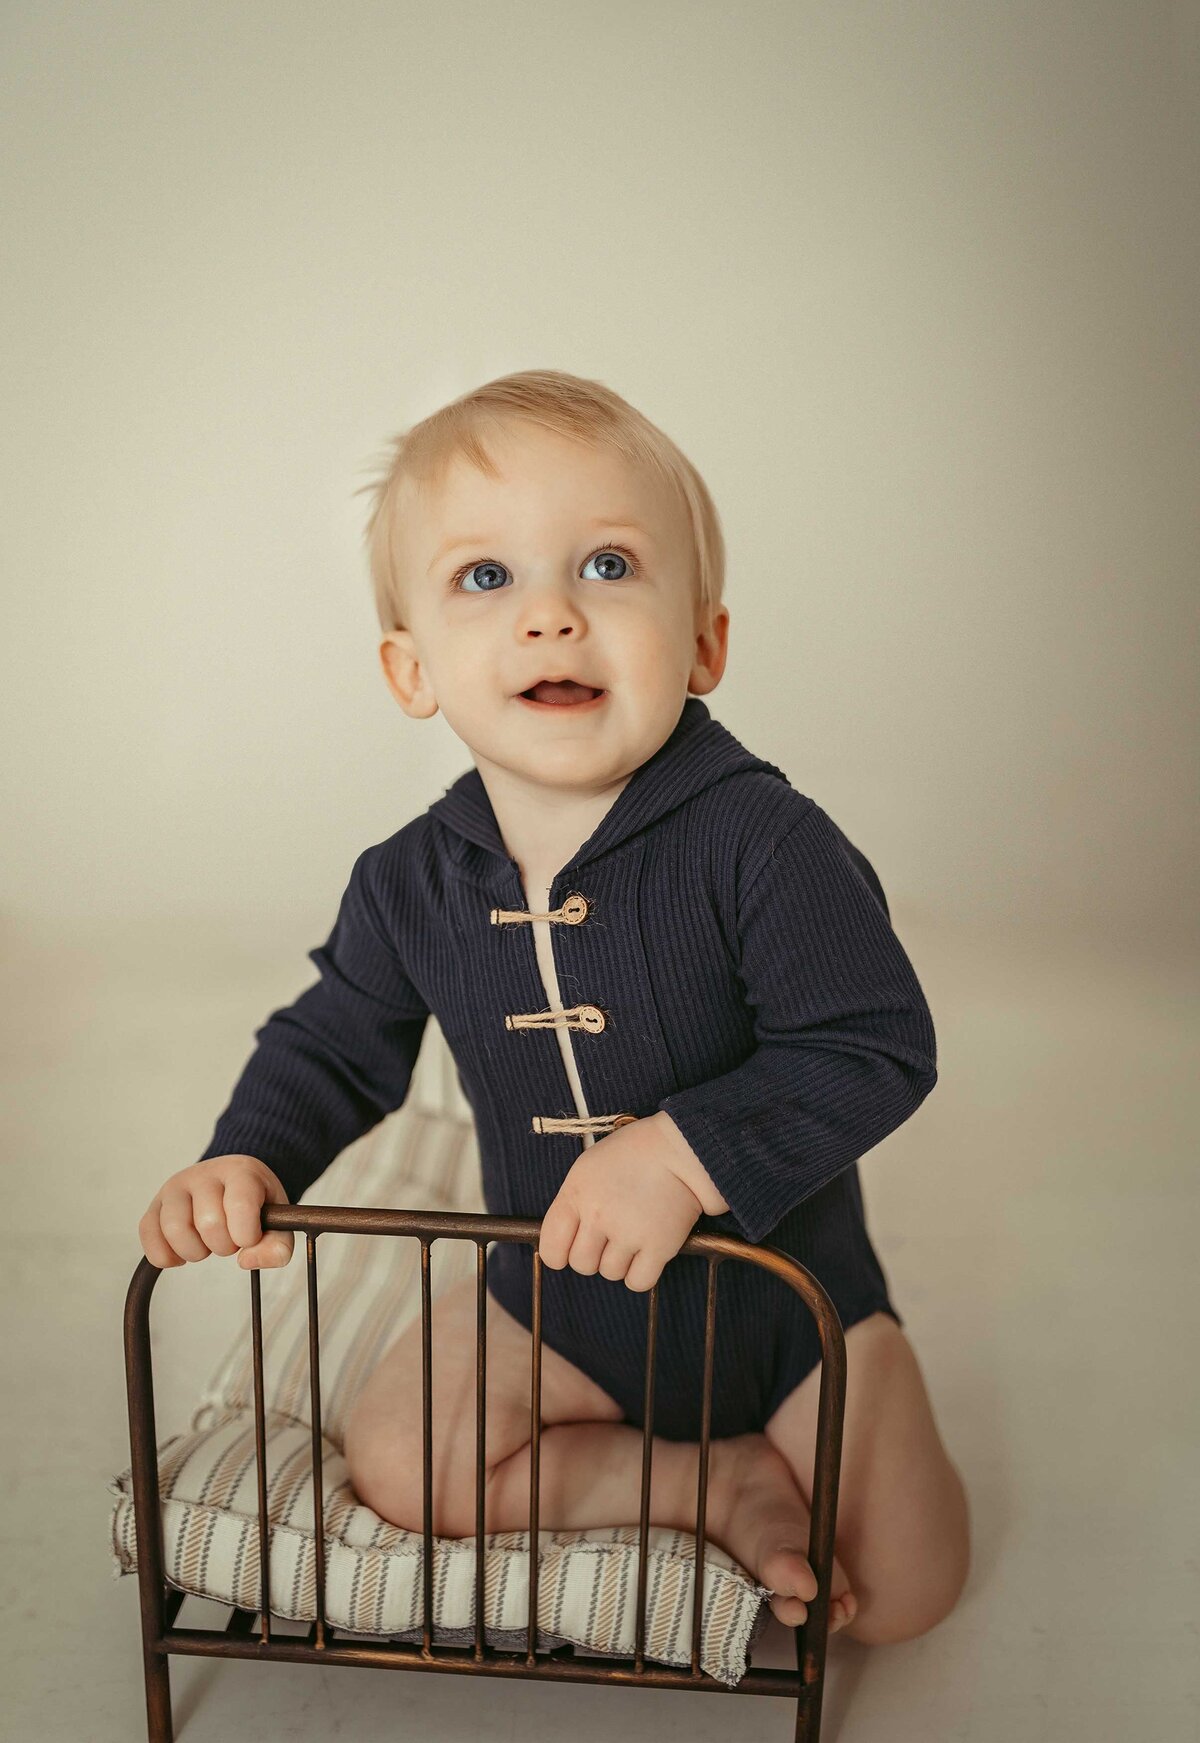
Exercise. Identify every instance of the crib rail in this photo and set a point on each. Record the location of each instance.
(160, 1605)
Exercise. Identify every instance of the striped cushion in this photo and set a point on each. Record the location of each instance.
(421, 1157)
(587, 1580)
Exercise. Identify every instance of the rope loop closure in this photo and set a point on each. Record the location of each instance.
(572, 913)
(588, 1017)
(598, 1123)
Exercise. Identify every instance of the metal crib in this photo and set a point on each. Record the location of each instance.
(249, 1634)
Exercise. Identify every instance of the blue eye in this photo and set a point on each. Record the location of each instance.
(611, 556)
(491, 571)
(488, 568)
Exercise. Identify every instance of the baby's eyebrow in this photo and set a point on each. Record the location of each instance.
(630, 526)
(454, 545)
(618, 526)
(624, 526)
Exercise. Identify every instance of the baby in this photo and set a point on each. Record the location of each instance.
(675, 1002)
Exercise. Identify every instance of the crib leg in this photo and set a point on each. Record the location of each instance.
(159, 1728)
(147, 1514)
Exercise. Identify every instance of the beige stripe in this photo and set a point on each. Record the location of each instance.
(612, 1582)
(292, 1391)
(291, 1293)
(216, 1490)
(194, 1531)
(248, 1591)
(370, 1590)
(659, 1631)
(172, 1462)
(289, 1482)
(273, 1428)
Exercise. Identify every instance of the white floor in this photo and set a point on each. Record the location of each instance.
(1037, 1222)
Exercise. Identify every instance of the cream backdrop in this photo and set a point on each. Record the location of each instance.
(910, 284)
(915, 286)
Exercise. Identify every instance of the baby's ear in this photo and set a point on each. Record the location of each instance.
(404, 674)
(711, 652)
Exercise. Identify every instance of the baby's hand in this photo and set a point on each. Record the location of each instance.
(620, 1210)
(216, 1207)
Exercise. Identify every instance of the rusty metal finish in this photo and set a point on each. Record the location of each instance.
(811, 1637)
(710, 1337)
(260, 1454)
(639, 1645)
(143, 1450)
(427, 1447)
(480, 1433)
(314, 1393)
(160, 1605)
(535, 1456)
(564, 1665)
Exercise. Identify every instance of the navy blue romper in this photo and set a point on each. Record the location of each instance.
(723, 954)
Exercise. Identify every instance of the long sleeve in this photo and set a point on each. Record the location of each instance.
(845, 1048)
(329, 1066)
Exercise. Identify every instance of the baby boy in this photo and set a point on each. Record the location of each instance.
(674, 999)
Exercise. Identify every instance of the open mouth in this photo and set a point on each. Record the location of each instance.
(561, 693)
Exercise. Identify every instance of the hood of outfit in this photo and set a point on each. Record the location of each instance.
(722, 953)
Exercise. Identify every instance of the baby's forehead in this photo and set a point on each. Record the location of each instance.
(444, 506)
(523, 455)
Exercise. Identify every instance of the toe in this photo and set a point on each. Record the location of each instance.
(790, 1611)
(785, 1569)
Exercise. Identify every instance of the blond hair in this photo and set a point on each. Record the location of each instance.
(567, 404)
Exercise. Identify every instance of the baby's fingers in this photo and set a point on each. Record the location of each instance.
(244, 1199)
(645, 1270)
(155, 1244)
(175, 1221)
(208, 1216)
(559, 1228)
(275, 1248)
(615, 1261)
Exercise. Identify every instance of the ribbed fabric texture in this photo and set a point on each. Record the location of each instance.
(844, 1044)
(754, 989)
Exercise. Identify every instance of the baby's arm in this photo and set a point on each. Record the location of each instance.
(845, 1048)
(325, 1070)
(682, 1160)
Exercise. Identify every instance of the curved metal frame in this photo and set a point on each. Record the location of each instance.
(160, 1604)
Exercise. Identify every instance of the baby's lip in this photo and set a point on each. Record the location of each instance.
(562, 678)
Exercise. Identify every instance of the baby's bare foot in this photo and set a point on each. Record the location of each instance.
(757, 1513)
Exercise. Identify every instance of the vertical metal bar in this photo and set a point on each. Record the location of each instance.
(710, 1326)
(647, 1442)
(143, 1448)
(480, 1433)
(535, 1450)
(314, 1392)
(427, 1443)
(260, 1454)
(812, 1634)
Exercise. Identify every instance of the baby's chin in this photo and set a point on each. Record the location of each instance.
(569, 760)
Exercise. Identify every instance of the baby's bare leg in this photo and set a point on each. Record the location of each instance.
(902, 1516)
(590, 1473)
(590, 1461)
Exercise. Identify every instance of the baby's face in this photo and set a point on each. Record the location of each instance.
(572, 564)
